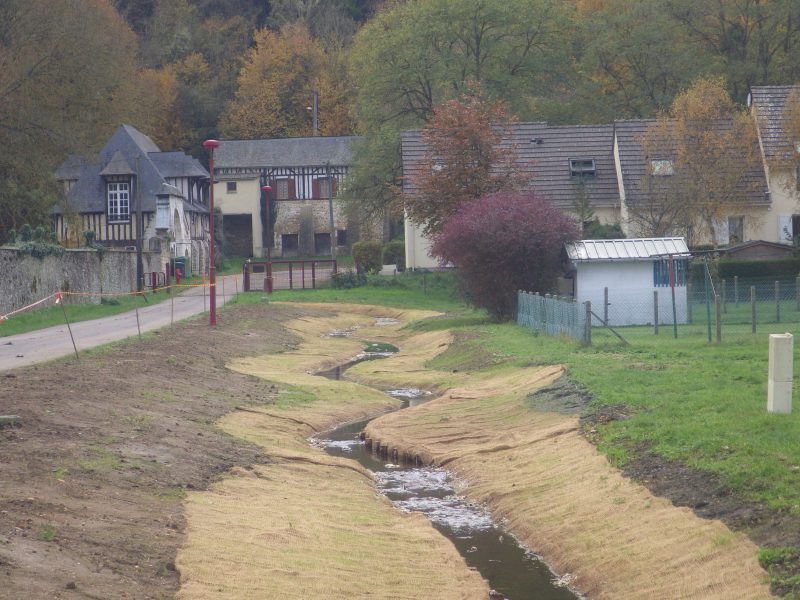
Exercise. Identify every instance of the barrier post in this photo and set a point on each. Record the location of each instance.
(60, 300)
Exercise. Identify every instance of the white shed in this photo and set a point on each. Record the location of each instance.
(632, 270)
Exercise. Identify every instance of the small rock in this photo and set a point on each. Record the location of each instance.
(72, 585)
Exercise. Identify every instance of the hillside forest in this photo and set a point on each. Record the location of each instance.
(182, 71)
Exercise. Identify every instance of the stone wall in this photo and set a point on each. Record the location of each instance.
(25, 279)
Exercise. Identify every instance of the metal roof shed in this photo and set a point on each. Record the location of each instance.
(632, 270)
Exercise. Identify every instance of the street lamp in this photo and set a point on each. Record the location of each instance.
(267, 190)
(210, 145)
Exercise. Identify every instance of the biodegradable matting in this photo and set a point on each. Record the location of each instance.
(309, 526)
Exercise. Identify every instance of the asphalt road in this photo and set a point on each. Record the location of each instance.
(54, 342)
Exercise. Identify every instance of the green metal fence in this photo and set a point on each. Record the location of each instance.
(553, 315)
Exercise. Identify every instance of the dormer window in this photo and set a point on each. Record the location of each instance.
(119, 200)
(582, 167)
(662, 168)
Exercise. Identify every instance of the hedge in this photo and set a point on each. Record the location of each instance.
(782, 268)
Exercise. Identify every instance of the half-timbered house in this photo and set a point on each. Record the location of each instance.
(305, 174)
(132, 178)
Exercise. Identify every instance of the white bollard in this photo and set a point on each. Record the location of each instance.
(781, 362)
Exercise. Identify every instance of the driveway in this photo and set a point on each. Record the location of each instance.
(54, 342)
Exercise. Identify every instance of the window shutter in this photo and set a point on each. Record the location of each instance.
(334, 185)
(291, 189)
(315, 188)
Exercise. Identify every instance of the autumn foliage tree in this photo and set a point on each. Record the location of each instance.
(703, 161)
(463, 160)
(505, 242)
(276, 87)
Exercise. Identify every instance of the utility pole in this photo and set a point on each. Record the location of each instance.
(330, 208)
(315, 111)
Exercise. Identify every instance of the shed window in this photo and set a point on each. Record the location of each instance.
(581, 166)
(119, 198)
(661, 272)
(230, 187)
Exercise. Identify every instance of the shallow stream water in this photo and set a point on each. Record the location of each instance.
(511, 570)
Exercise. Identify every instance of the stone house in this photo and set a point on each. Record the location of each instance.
(305, 216)
(129, 177)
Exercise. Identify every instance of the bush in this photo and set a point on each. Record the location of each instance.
(505, 242)
(367, 256)
(25, 233)
(41, 249)
(345, 280)
(394, 253)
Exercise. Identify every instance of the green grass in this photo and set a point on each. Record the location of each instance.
(698, 403)
(429, 291)
(47, 533)
(54, 315)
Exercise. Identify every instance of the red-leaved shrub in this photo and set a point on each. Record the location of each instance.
(505, 242)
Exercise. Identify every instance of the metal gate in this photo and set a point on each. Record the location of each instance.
(287, 275)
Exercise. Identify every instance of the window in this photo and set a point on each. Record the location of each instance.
(662, 168)
(119, 207)
(735, 230)
(341, 237)
(581, 166)
(162, 212)
(324, 188)
(230, 187)
(282, 189)
(289, 244)
(661, 272)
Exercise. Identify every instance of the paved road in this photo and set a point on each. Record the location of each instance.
(54, 342)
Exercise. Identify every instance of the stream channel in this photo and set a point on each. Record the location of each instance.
(512, 571)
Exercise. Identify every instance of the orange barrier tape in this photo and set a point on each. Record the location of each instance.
(24, 308)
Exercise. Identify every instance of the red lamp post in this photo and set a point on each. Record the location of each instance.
(210, 145)
(267, 190)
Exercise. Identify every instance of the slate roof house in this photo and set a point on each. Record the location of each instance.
(304, 174)
(131, 174)
(639, 176)
(609, 166)
(779, 152)
(563, 162)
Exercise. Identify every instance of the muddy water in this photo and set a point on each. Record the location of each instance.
(511, 570)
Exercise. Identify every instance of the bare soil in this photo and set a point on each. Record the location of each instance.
(93, 477)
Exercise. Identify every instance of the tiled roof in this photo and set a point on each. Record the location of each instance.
(127, 152)
(625, 250)
(544, 152)
(768, 103)
(634, 164)
(285, 152)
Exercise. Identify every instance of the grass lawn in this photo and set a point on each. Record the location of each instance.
(687, 400)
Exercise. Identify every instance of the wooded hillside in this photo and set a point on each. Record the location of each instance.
(185, 70)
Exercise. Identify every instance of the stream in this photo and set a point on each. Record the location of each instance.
(512, 571)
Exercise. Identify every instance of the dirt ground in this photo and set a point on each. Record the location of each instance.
(92, 480)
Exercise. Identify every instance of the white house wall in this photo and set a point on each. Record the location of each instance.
(244, 201)
(630, 292)
(418, 248)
